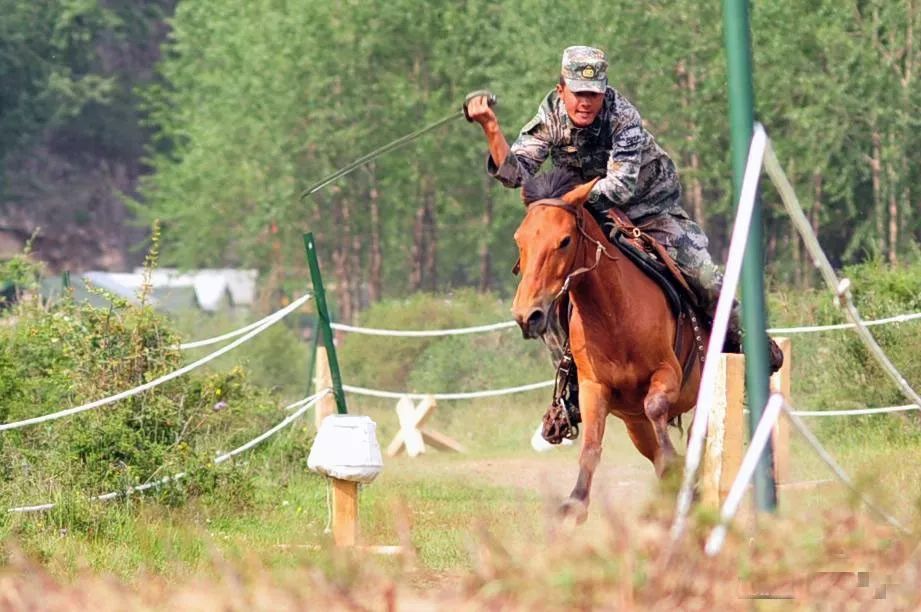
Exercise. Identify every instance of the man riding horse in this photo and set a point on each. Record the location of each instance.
(591, 129)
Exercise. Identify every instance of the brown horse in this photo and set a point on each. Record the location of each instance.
(622, 332)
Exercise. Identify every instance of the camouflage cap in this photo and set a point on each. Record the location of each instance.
(585, 69)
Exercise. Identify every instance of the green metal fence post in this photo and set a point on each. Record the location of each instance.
(741, 116)
(323, 315)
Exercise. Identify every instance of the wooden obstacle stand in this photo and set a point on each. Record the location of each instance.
(413, 436)
(344, 492)
(726, 427)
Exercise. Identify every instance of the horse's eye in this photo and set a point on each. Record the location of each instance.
(565, 242)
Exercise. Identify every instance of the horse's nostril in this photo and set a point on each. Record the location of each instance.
(535, 319)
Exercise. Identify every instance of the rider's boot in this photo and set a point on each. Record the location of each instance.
(733, 342)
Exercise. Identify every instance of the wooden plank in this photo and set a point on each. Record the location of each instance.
(735, 422)
(323, 380)
(441, 441)
(712, 464)
(396, 445)
(410, 417)
(345, 512)
(424, 410)
(781, 382)
(725, 431)
(412, 437)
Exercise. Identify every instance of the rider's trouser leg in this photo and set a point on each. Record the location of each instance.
(686, 242)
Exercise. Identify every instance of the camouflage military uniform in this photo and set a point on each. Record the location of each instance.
(637, 176)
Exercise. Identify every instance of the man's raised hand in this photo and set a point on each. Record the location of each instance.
(478, 108)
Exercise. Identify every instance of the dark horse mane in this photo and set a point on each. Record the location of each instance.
(549, 185)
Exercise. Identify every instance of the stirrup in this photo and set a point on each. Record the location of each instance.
(558, 423)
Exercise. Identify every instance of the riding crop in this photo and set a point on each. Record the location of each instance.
(490, 98)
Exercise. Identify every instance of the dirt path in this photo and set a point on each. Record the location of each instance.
(621, 481)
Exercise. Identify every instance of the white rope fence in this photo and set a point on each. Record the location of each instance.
(302, 406)
(409, 333)
(267, 322)
(760, 152)
(447, 396)
(233, 334)
(841, 287)
(855, 411)
(371, 331)
(759, 440)
(902, 318)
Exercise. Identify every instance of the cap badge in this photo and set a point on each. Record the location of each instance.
(588, 72)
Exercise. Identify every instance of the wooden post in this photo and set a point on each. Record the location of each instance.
(323, 380)
(345, 512)
(725, 431)
(780, 383)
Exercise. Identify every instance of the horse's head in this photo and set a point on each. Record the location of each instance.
(548, 240)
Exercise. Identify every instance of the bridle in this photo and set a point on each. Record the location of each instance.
(579, 213)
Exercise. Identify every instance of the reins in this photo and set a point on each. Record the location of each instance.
(600, 249)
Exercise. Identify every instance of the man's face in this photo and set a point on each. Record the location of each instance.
(582, 107)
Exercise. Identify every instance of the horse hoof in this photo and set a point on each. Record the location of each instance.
(574, 511)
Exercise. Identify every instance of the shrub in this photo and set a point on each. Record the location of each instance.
(834, 369)
(465, 362)
(67, 354)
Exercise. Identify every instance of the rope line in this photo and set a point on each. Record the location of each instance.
(162, 379)
(411, 333)
(840, 287)
(304, 405)
(761, 152)
(371, 331)
(447, 396)
(902, 318)
(836, 469)
(855, 411)
(231, 334)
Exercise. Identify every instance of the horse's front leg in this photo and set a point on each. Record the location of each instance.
(594, 400)
(662, 395)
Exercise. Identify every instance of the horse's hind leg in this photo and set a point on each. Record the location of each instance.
(593, 400)
(662, 394)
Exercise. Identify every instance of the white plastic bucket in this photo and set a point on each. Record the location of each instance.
(346, 448)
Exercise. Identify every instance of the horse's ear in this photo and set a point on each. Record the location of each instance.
(579, 195)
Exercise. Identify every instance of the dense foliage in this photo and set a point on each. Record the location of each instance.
(246, 104)
(71, 135)
(257, 100)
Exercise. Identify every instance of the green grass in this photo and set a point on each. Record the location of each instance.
(270, 511)
(288, 508)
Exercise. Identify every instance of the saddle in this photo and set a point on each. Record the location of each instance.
(651, 257)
